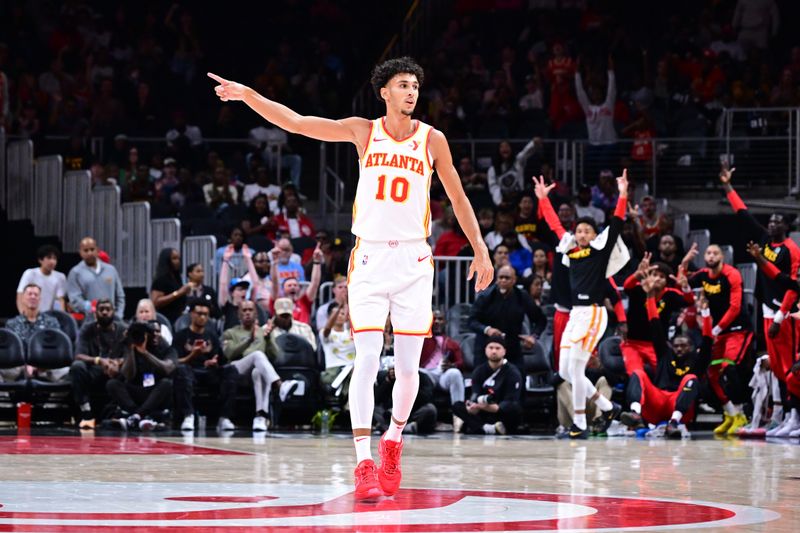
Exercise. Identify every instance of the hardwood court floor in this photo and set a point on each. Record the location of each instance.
(291, 482)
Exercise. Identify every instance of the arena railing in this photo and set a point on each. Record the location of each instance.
(450, 284)
(134, 262)
(78, 209)
(107, 220)
(48, 194)
(201, 249)
(19, 179)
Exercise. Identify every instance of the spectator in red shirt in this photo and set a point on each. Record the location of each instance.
(291, 222)
(451, 242)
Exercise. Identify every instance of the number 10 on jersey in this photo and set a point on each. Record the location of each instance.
(398, 189)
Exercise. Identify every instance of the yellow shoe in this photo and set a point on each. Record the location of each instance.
(721, 429)
(739, 421)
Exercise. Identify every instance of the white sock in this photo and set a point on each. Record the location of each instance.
(395, 431)
(794, 417)
(489, 429)
(636, 407)
(729, 408)
(86, 407)
(777, 412)
(676, 416)
(580, 420)
(603, 403)
(363, 450)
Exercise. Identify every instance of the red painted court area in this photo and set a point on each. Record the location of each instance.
(40, 445)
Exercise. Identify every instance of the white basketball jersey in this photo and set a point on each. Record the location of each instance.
(393, 193)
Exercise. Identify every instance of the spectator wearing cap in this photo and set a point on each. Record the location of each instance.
(283, 323)
(584, 207)
(29, 321)
(500, 311)
(232, 291)
(53, 284)
(303, 299)
(496, 402)
(92, 280)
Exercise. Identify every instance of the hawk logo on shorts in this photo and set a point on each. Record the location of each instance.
(364, 260)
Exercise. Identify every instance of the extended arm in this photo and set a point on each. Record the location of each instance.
(756, 230)
(316, 274)
(481, 265)
(546, 207)
(352, 129)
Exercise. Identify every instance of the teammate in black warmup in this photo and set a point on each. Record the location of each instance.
(670, 395)
(781, 331)
(592, 259)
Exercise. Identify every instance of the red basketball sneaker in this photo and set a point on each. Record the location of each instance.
(389, 474)
(366, 478)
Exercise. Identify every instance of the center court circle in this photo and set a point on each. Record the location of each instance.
(68, 507)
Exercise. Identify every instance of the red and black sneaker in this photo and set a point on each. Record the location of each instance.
(366, 479)
(389, 473)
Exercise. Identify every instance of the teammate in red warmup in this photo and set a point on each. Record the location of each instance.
(722, 287)
(791, 376)
(671, 394)
(592, 259)
(782, 331)
(637, 349)
(391, 265)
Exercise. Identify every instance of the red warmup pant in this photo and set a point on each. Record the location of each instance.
(560, 320)
(782, 352)
(659, 404)
(728, 349)
(636, 354)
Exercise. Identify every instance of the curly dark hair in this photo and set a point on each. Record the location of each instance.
(387, 70)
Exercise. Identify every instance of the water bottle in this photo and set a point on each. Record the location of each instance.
(324, 422)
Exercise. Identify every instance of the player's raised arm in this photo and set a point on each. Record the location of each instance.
(353, 129)
(443, 163)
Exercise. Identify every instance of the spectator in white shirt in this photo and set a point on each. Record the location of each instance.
(264, 186)
(52, 283)
(339, 349)
(274, 141)
(339, 298)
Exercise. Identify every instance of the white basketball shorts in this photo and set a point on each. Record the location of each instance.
(586, 326)
(391, 277)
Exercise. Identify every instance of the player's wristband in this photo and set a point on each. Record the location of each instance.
(716, 330)
(705, 313)
(778, 318)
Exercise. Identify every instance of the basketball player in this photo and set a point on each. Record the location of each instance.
(722, 286)
(790, 373)
(777, 304)
(592, 258)
(670, 395)
(637, 349)
(391, 266)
